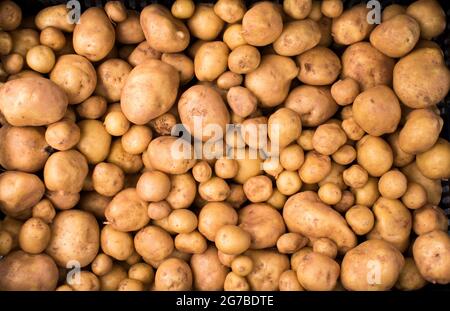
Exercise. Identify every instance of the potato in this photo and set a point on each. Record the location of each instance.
(213, 216)
(401, 158)
(211, 60)
(429, 15)
(22, 100)
(208, 272)
(374, 155)
(410, 278)
(158, 210)
(182, 63)
(141, 272)
(332, 8)
(242, 265)
(258, 188)
(372, 265)
(434, 163)
(165, 157)
(329, 224)
(391, 11)
(314, 104)
(351, 26)
(182, 221)
(116, 124)
(76, 76)
(63, 200)
(425, 64)
(284, 127)
(262, 24)
(233, 36)
(10, 15)
(297, 37)
(232, 240)
(234, 282)
(94, 142)
(129, 31)
(267, 268)
(116, 11)
(23, 148)
(13, 63)
(6, 43)
(85, 281)
(44, 210)
(183, 9)
(65, 171)
(214, 190)
(107, 178)
(192, 242)
(429, 218)
(6, 242)
(63, 135)
(111, 77)
(431, 255)
(204, 24)
(328, 138)
(415, 196)
(292, 157)
(330, 193)
(136, 139)
(270, 82)
(432, 187)
(111, 280)
(55, 16)
(237, 196)
(75, 236)
(161, 82)
(244, 59)
(153, 186)
(290, 243)
(345, 91)
(93, 36)
(127, 211)
(315, 168)
(34, 236)
(228, 80)
(288, 281)
(23, 40)
(129, 163)
(313, 268)
(231, 11)
(263, 223)
(117, 244)
(102, 264)
(318, 66)
(297, 9)
(393, 222)
(173, 274)
(392, 184)
(92, 108)
(141, 53)
(153, 243)
(225, 168)
(360, 218)
(397, 36)
(420, 132)
(20, 271)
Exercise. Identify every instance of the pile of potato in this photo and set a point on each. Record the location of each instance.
(94, 197)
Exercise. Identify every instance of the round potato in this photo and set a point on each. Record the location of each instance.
(435, 162)
(316, 271)
(374, 155)
(204, 24)
(34, 236)
(173, 274)
(352, 26)
(429, 15)
(111, 77)
(153, 243)
(318, 66)
(429, 218)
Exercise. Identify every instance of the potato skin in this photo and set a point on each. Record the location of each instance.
(160, 81)
(268, 266)
(431, 253)
(317, 272)
(318, 66)
(435, 162)
(54, 16)
(161, 156)
(23, 100)
(373, 265)
(111, 77)
(173, 274)
(351, 26)
(262, 24)
(297, 37)
(20, 271)
(163, 32)
(75, 236)
(94, 36)
(429, 15)
(208, 272)
(211, 60)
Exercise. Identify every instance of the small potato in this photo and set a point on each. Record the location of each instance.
(429, 15)
(268, 267)
(277, 199)
(325, 247)
(129, 31)
(328, 138)
(117, 244)
(377, 110)
(116, 124)
(332, 8)
(352, 25)
(228, 80)
(315, 168)
(204, 24)
(355, 176)
(429, 218)
(94, 142)
(262, 24)
(244, 59)
(75, 236)
(433, 187)
(317, 272)
(6, 43)
(158, 210)
(63, 200)
(92, 108)
(374, 155)
(41, 58)
(63, 135)
(34, 236)
(153, 243)
(288, 182)
(305, 139)
(415, 196)
(136, 139)
(12, 63)
(192, 242)
(237, 196)
(182, 221)
(242, 265)
(44, 210)
(214, 190)
(173, 274)
(6, 242)
(397, 36)
(111, 280)
(316, 11)
(366, 65)
(288, 281)
(435, 162)
(367, 194)
(202, 171)
(232, 240)
(55, 16)
(225, 259)
(141, 53)
(297, 9)
(234, 282)
(318, 66)
(431, 253)
(360, 218)
(226, 168)
(116, 11)
(208, 272)
(292, 157)
(344, 155)
(182, 63)
(298, 37)
(345, 91)
(410, 277)
(183, 9)
(211, 60)
(65, 171)
(372, 265)
(164, 124)
(231, 11)
(141, 272)
(233, 36)
(290, 243)
(258, 189)
(130, 285)
(330, 193)
(102, 264)
(153, 186)
(241, 101)
(111, 77)
(108, 179)
(182, 192)
(127, 211)
(284, 127)
(392, 184)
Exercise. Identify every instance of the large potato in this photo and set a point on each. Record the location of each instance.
(373, 265)
(93, 36)
(23, 101)
(435, 162)
(209, 273)
(268, 266)
(300, 208)
(171, 155)
(426, 65)
(163, 32)
(150, 91)
(262, 24)
(75, 237)
(76, 76)
(318, 66)
(20, 271)
(429, 15)
(201, 107)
